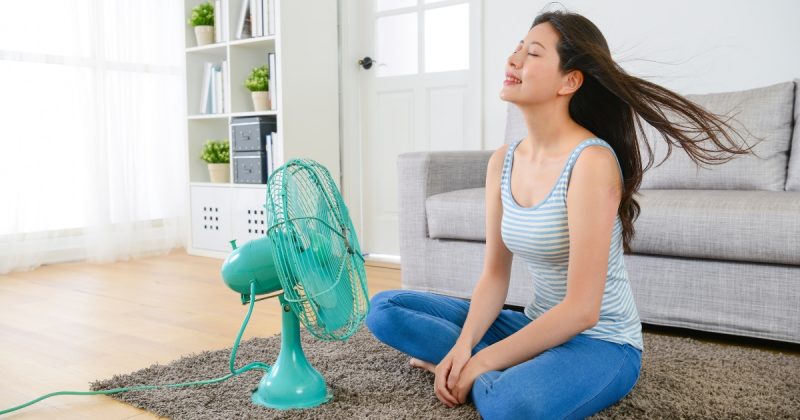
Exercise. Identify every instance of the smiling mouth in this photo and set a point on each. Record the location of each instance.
(512, 81)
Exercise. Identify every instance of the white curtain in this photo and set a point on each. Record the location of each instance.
(92, 131)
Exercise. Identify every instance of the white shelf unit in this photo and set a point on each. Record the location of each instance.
(306, 112)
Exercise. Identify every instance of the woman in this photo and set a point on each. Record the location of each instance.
(567, 210)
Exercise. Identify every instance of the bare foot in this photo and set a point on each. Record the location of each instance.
(421, 364)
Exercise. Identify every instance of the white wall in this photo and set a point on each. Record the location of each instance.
(713, 45)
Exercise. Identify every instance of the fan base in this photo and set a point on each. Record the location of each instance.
(291, 382)
(260, 397)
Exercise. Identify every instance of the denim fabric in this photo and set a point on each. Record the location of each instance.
(573, 380)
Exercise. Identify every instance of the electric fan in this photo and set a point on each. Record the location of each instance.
(311, 255)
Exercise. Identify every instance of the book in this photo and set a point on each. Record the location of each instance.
(225, 21)
(205, 97)
(254, 18)
(271, 17)
(261, 14)
(244, 30)
(225, 83)
(277, 149)
(217, 20)
(220, 89)
(269, 153)
(265, 16)
(273, 96)
(213, 88)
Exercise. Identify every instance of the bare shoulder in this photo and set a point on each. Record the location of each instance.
(597, 165)
(496, 160)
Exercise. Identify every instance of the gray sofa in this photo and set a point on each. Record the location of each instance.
(715, 249)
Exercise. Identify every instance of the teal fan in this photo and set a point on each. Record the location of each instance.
(311, 255)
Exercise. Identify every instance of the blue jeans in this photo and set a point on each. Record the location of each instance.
(573, 380)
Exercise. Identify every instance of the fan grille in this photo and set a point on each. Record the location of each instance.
(316, 250)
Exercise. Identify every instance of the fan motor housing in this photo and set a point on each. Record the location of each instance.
(253, 262)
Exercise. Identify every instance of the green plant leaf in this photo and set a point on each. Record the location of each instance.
(258, 81)
(216, 151)
(202, 14)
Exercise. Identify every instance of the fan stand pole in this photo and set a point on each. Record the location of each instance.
(291, 382)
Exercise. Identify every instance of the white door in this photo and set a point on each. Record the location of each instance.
(421, 93)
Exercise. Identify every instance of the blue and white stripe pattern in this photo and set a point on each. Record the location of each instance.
(539, 235)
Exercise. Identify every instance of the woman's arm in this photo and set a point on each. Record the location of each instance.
(491, 291)
(592, 203)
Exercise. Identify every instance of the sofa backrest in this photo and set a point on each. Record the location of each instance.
(515, 124)
(793, 176)
(767, 112)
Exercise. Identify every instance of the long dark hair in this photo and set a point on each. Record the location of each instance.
(608, 98)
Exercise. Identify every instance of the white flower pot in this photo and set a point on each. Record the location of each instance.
(219, 172)
(204, 34)
(261, 101)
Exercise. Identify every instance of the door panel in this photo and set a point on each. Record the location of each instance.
(422, 93)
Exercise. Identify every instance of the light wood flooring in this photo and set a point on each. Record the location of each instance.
(63, 326)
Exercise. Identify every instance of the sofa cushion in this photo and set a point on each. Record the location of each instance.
(765, 112)
(457, 214)
(793, 177)
(754, 226)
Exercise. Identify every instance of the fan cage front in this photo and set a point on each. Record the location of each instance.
(316, 250)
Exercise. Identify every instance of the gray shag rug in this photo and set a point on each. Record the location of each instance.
(682, 377)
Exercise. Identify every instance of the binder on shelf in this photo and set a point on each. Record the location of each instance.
(245, 26)
(218, 21)
(273, 97)
(255, 21)
(225, 20)
(271, 17)
(218, 101)
(225, 83)
(213, 84)
(214, 96)
(205, 99)
(265, 16)
(268, 149)
(277, 149)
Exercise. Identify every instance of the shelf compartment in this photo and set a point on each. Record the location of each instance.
(201, 130)
(243, 58)
(195, 69)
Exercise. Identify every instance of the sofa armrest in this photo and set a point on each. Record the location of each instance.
(438, 172)
(423, 174)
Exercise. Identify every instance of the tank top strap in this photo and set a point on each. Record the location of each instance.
(563, 181)
(505, 178)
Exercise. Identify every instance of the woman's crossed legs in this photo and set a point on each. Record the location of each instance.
(573, 380)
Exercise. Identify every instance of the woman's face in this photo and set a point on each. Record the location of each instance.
(532, 74)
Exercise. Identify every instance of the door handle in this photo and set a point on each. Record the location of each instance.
(366, 63)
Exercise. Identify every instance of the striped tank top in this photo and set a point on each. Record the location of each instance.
(539, 235)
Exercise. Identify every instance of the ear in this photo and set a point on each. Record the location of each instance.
(571, 82)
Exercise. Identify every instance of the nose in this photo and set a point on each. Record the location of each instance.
(514, 60)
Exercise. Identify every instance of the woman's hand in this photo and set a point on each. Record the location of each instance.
(467, 378)
(448, 372)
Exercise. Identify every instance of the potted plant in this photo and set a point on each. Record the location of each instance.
(258, 84)
(217, 155)
(203, 21)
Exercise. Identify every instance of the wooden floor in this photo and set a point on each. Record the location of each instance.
(65, 325)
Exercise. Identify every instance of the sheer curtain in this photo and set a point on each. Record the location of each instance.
(93, 131)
